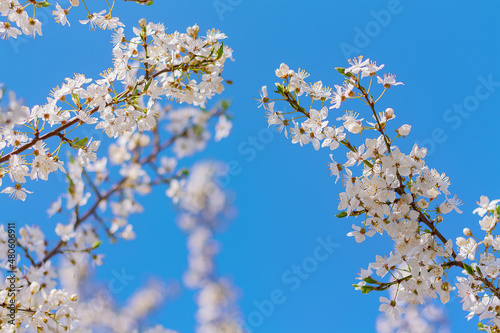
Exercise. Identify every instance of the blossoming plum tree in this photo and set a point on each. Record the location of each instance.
(45, 289)
(393, 192)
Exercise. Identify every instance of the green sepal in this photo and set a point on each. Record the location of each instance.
(76, 99)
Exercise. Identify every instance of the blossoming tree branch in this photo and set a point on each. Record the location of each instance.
(153, 64)
(21, 17)
(45, 288)
(389, 191)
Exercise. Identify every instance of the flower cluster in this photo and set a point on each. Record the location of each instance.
(18, 21)
(394, 192)
(204, 206)
(99, 202)
(154, 64)
(417, 319)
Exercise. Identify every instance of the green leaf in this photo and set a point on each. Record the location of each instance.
(80, 143)
(365, 289)
(42, 4)
(341, 70)
(468, 269)
(370, 280)
(71, 187)
(96, 245)
(341, 215)
(149, 3)
(280, 89)
(220, 51)
(479, 271)
(134, 91)
(146, 87)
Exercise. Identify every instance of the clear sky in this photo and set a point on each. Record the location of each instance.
(444, 52)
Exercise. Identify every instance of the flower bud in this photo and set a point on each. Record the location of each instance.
(34, 287)
(142, 22)
(467, 232)
(144, 140)
(404, 130)
(74, 3)
(193, 31)
(389, 112)
(74, 297)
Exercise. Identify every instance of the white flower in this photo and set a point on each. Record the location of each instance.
(66, 232)
(55, 207)
(222, 128)
(175, 190)
(390, 308)
(167, 165)
(283, 71)
(388, 80)
(17, 192)
(351, 123)
(263, 97)
(60, 15)
(88, 153)
(485, 205)
(488, 223)
(7, 30)
(128, 233)
(334, 168)
(357, 65)
(94, 19)
(33, 27)
(18, 170)
(450, 204)
(360, 233)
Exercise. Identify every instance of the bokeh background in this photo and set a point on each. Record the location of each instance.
(446, 53)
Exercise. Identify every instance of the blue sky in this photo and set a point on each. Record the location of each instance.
(445, 53)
